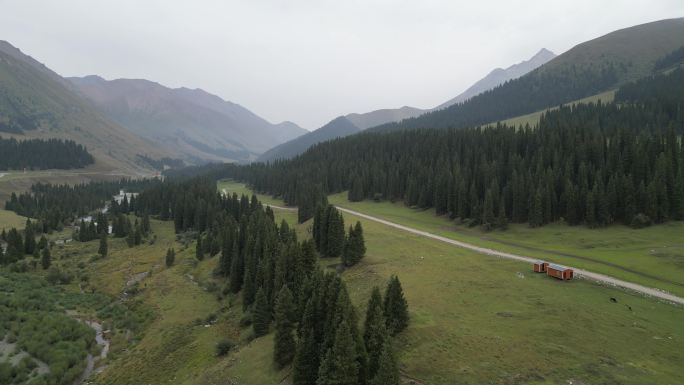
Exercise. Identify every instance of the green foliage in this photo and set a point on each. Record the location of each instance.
(669, 60)
(354, 247)
(31, 311)
(170, 257)
(305, 366)
(102, 249)
(395, 307)
(46, 258)
(223, 347)
(375, 331)
(339, 365)
(199, 249)
(388, 370)
(42, 154)
(261, 319)
(284, 344)
(329, 232)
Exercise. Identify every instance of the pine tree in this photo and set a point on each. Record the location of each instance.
(388, 370)
(46, 259)
(536, 215)
(590, 216)
(502, 219)
(335, 234)
(375, 331)
(395, 306)
(339, 365)
(678, 197)
(356, 191)
(236, 270)
(29, 238)
(261, 316)
(488, 211)
(102, 250)
(354, 248)
(199, 249)
(170, 257)
(306, 360)
(284, 343)
(130, 238)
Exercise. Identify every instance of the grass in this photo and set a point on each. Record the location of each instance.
(239, 188)
(9, 219)
(178, 345)
(19, 181)
(479, 319)
(533, 118)
(652, 256)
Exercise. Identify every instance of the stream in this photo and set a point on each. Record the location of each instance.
(104, 343)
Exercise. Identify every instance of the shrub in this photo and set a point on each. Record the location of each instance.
(640, 221)
(223, 347)
(246, 319)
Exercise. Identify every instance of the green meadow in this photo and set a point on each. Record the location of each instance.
(480, 319)
(653, 256)
(475, 319)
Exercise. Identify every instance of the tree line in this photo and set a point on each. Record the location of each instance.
(58, 205)
(592, 164)
(669, 60)
(41, 154)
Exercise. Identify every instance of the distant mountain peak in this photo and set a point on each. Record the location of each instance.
(499, 76)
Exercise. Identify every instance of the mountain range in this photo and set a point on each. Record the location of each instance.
(592, 67)
(124, 122)
(192, 123)
(342, 125)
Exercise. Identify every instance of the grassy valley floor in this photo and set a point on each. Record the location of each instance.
(474, 319)
(653, 256)
(480, 319)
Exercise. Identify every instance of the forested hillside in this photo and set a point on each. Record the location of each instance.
(42, 154)
(587, 69)
(37, 103)
(594, 164)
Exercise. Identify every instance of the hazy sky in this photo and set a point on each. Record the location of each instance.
(309, 61)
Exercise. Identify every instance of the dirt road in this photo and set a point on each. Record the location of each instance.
(648, 291)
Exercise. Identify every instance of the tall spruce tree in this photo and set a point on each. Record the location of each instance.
(339, 365)
(46, 258)
(354, 248)
(335, 234)
(261, 315)
(102, 250)
(199, 248)
(388, 370)
(395, 306)
(375, 331)
(170, 257)
(306, 360)
(284, 343)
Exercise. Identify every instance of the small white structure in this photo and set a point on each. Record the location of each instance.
(122, 193)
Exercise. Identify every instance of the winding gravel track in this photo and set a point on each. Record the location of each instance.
(648, 291)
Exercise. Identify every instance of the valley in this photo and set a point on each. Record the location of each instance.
(528, 231)
(451, 331)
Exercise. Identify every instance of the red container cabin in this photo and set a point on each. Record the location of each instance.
(560, 272)
(540, 266)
